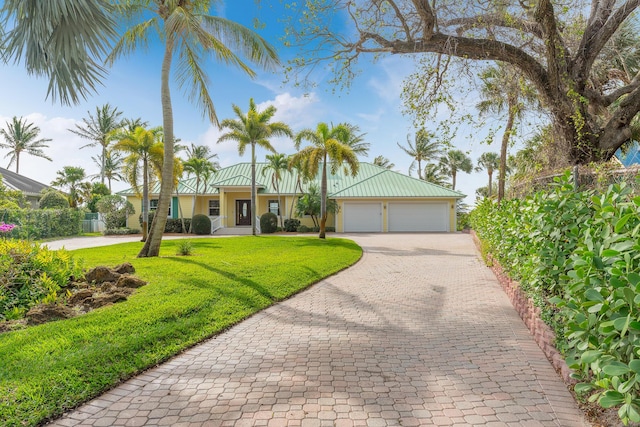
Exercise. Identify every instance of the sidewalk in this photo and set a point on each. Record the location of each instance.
(416, 333)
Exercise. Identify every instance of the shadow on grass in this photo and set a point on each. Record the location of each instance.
(260, 289)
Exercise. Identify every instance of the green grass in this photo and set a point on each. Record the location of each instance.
(47, 369)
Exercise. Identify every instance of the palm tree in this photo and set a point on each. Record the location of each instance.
(144, 152)
(187, 29)
(504, 88)
(113, 164)
(62, 39)
(424, 149)
(253, 129)
(383, 162)
(489, 162)
(21, 136)
(434, 174)
(277, 164)
(99, 129)
(200, 167)
(71, 178)
(453, 162)
(356, 141)
(328, 144)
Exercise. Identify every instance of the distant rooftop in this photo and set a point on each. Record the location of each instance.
(16, 181)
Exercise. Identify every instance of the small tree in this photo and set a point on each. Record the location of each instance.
(115, 210)
(309, 204)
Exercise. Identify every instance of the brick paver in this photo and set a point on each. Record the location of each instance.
(418, 332)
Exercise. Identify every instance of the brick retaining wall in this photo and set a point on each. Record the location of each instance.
(530, 315)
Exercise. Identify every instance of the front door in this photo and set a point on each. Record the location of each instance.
(243, 212)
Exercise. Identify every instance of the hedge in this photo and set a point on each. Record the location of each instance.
(43, 223)
(577, 255)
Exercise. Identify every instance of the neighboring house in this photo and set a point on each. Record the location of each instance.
(30, 188)
(376, 200)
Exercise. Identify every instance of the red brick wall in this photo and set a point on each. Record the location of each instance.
(530, 315)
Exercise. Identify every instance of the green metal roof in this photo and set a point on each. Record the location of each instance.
(235, 181)
(371, 182)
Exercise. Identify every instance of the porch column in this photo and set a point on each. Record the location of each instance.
(223, 207)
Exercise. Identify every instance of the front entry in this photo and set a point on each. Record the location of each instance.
(243, 212)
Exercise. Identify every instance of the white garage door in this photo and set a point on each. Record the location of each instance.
(362, 217)
(418, 216)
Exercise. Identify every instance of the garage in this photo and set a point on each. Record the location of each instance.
(405, 217)
(362, 217)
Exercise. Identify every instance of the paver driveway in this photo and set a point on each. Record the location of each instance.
(418, 332)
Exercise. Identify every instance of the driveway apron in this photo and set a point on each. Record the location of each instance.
(418, 332)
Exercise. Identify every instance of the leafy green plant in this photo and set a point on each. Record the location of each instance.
(31, 274)
(303, 229)
(185, 248)
(291, 224)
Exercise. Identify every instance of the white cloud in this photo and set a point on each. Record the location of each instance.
(388, 83)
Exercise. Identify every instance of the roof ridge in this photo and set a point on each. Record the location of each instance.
(358, 182)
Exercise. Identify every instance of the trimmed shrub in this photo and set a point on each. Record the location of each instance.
(329, 229)
(291, 225)
(174, 225)
(268, 223)
(201, 224)
(303, 229)
(53, 200)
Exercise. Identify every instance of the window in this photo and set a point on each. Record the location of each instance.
(274, 207)
(214, 207)
(153, 206)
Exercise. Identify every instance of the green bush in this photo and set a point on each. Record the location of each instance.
(32, 274)
(303, 229)
(329, 229)
(291, 225)
(43, 223)
(268, 223)
(53, 199)
(201, 224)
(174, 225)
(577, 255)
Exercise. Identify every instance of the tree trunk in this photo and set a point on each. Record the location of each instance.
(502, 173)
(104, 155)
(145, 200)
(453, 179)
(490, 173)
(253, 209)
(193, 204)
(151, 247)
(323, 199)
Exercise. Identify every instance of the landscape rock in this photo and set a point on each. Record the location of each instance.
(126, 281)
(125, 268)
(100, 300)
(48, 312)
(101, 274)
(80, 296)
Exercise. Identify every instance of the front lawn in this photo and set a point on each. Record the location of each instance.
(47, 369)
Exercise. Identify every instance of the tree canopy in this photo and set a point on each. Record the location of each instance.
(556, 47)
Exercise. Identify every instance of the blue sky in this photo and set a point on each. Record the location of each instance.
(133, 86)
